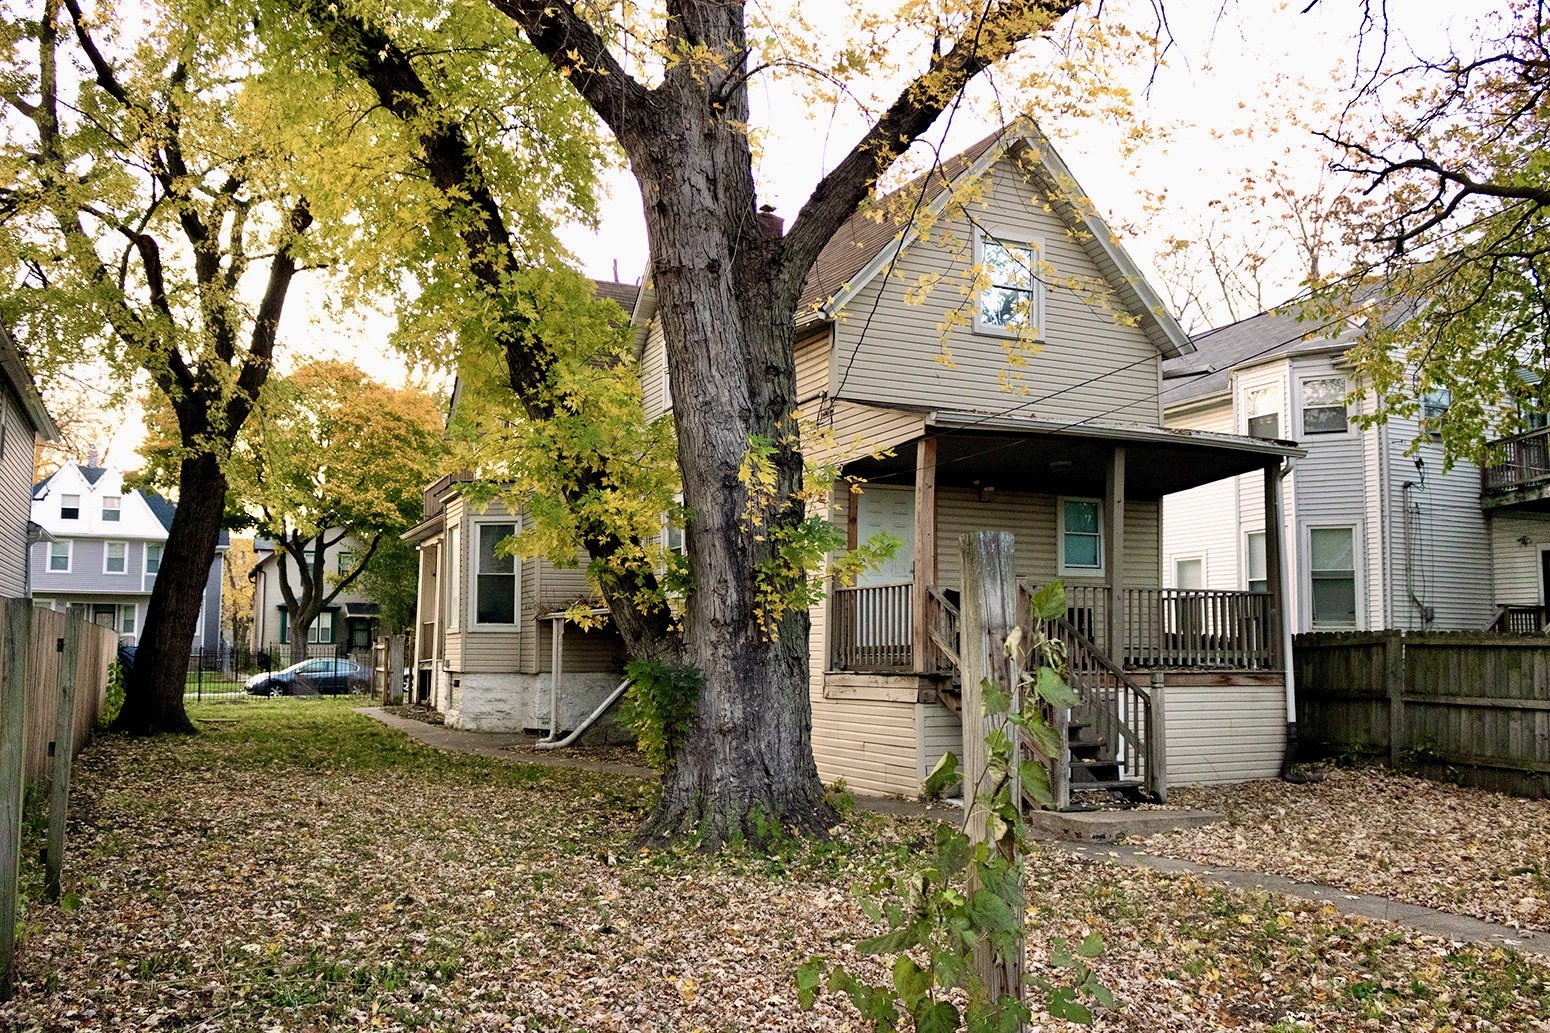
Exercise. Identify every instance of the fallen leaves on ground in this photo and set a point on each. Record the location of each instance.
(1466, 851)
(354, 880)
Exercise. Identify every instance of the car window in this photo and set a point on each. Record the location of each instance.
(314, 666)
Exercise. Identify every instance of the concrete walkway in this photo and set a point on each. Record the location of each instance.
(1428, 921)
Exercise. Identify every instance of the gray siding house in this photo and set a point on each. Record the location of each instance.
(1379, 534)
(23, 422)
(103, 546)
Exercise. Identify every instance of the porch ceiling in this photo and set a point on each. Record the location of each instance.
(1072, 461)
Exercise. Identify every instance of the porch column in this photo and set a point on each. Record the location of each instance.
(1275, 567)
(925, 549)
(1114, 553)
(1276, 574)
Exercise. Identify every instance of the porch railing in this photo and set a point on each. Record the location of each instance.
(871, 629)
(1520, 620)
(1516, 462)
(1186, 627)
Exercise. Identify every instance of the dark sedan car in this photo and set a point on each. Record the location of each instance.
(329, 676)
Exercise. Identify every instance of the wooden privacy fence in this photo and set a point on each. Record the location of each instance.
(97, 648)
(45, 658)
(1461, 705)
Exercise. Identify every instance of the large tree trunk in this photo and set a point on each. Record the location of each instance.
(746, 766)
(153, 690)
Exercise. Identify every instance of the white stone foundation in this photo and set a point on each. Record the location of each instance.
(520, 703)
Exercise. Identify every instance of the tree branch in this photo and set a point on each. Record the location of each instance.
(991, 37)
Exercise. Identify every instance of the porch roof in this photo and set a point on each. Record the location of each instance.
(1011, 454)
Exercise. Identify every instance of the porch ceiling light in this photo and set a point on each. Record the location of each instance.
(1060, 466)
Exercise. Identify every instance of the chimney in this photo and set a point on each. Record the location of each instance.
(91, 456)
(773, 225)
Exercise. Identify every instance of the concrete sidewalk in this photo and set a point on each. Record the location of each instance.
(1428, 921)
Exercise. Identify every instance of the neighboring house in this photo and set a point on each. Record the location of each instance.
(1380, 536)
(104, 546)
(348, 622)
(491, 630)
(1076, 468)
(24, 421)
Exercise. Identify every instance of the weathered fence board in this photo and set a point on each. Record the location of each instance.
(98, 647)
(1459, 705)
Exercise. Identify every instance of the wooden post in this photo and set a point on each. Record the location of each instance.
(1157, 739)
(15, 636)
(69, 648)
(396, 647)
(1280, 616)
(1394, 679)
(989, 615)
(1273, 565)
(925, 550)
(1114, 554)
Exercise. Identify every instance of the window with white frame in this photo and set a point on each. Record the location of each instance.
(153, 557)
(115, 558)
(1189, 573)
(69, 507)
(1263, 405)
(495, 576)
(1012, 301)
(321, 633)
(1323, 406)
(1332, 576)
(1258, 568)
(126, 619)
(59, 556)
(1081, 536)
(110, 510)
(345, 560)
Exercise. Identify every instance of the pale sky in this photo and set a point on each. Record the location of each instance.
(1220, 95)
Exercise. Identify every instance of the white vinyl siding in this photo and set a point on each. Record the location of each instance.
(1203, 521)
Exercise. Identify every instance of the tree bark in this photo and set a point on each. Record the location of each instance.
(745, 769)
(153, 690)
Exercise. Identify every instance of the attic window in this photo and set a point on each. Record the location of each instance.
(1012, 301)
(69, 507)
(1435, 403)
(110, 508)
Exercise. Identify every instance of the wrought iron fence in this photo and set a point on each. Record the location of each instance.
(237, 672)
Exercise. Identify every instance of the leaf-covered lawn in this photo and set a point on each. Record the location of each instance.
(305, 868)
(1467, 851)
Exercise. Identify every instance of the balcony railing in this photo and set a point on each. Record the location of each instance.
(871, 629)
(1517, 462)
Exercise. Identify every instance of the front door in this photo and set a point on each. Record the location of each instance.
(888, 508)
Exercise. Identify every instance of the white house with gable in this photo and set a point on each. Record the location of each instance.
(103, 548)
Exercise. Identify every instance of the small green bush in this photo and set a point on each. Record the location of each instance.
(658, 706)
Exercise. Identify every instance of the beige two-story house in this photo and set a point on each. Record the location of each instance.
(987, 359)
